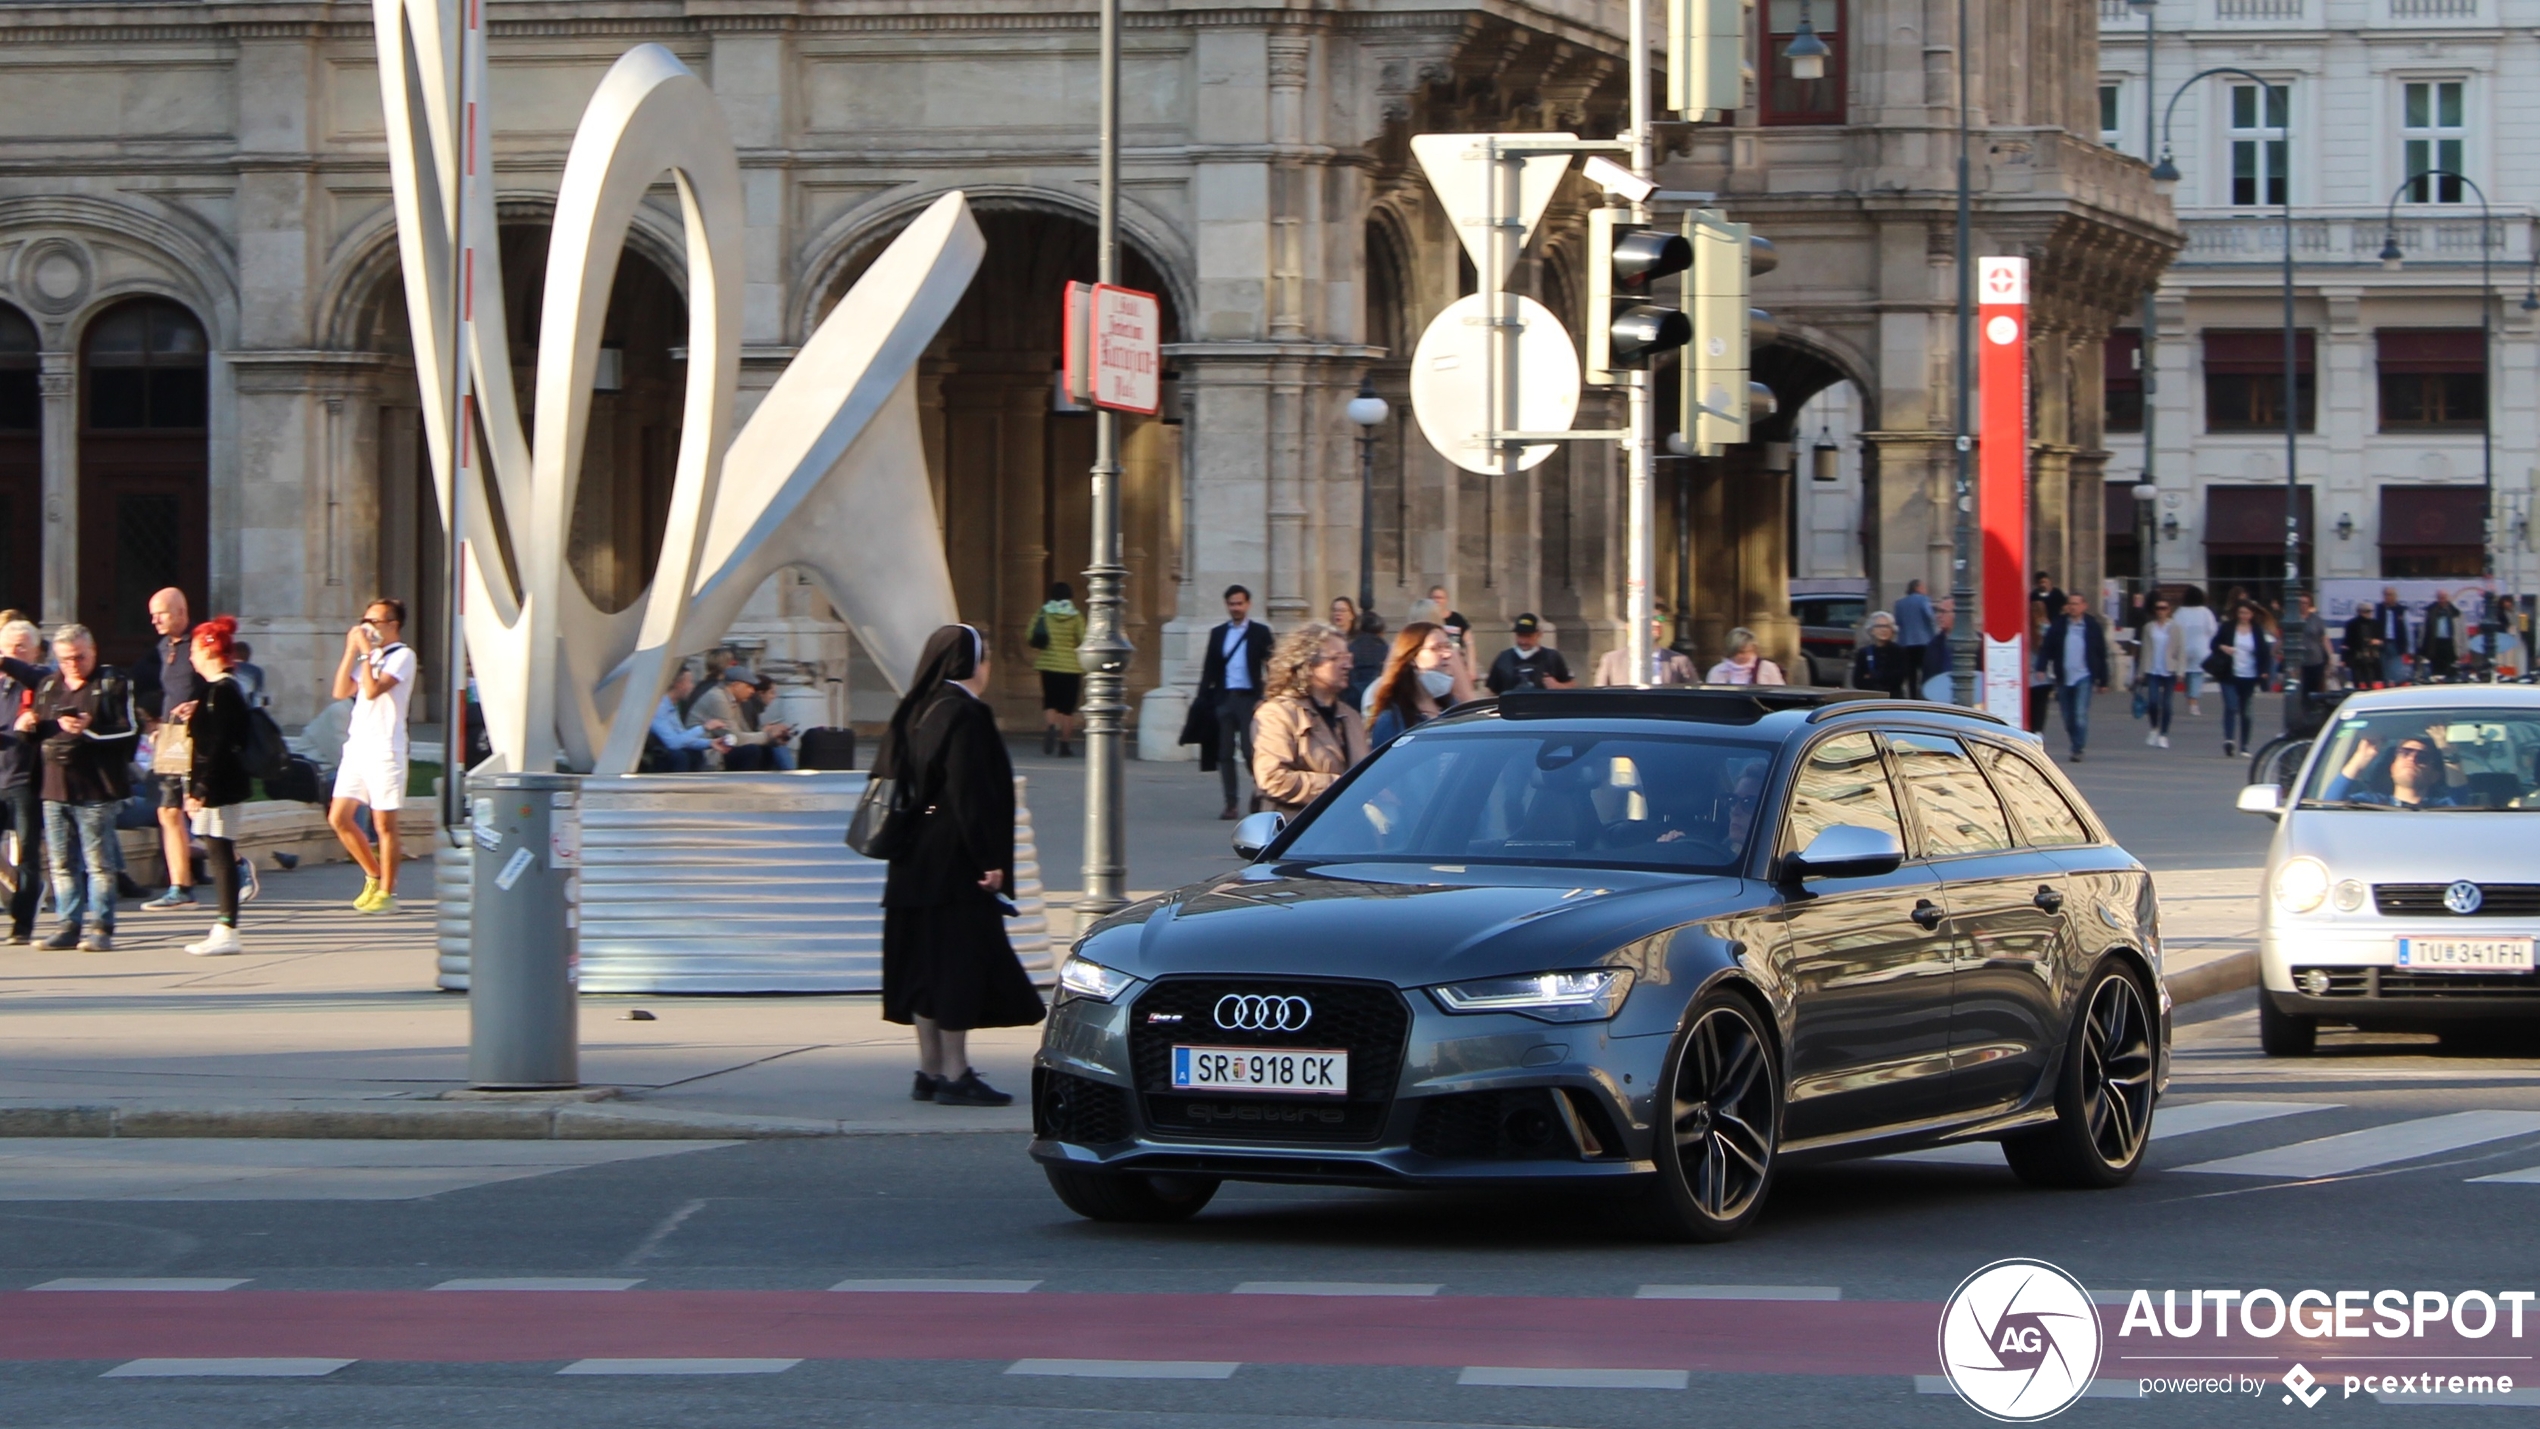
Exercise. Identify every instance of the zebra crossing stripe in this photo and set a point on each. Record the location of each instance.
(2193, 1117)
(2376, 1145)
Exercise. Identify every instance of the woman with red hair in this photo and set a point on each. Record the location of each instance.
(218, 782)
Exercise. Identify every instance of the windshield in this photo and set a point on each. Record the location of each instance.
(2428, 760)
(1555, 797)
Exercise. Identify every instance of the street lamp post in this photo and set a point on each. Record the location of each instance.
(1105, 652)
(2165, 174)
(2148, 490)
(1969, 655)
(1369, 411)
(2391, 259)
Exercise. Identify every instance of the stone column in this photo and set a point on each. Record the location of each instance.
(58, 375)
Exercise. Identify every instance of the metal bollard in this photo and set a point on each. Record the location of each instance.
(525, 938)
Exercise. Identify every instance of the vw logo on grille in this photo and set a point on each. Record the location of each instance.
(2464, 897)
(1249, 1013)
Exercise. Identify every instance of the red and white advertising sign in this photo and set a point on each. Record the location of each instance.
(2002, 480)
(1113, 350)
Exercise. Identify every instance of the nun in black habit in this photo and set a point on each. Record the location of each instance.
(947, 966)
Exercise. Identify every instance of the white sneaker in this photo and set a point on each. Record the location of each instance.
(2165, 741)
(2152, 740)
(222, 943)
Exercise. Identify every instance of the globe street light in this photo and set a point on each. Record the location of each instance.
(1369, 411)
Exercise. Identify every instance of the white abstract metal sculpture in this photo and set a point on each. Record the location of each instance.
(828, 475)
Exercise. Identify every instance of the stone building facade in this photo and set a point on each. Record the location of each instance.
(204, 378)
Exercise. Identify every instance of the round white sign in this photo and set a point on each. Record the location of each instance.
(1451, 363)
(2002, 330)
(2019, 1340)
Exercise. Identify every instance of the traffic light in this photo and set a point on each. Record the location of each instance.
(1720, 400)
(1624, 329)
(1707, 63)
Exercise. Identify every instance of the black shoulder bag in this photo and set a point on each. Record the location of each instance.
(884, 826)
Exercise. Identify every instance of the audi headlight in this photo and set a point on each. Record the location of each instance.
(1553, 997)
(2301, 884)
(1083, 977)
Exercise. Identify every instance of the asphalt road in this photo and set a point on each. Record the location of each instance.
(728, 1254)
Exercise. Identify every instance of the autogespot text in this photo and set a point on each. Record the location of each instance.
(2320, 1319)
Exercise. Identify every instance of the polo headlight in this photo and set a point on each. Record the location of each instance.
(1083, 977)
(2301, 884)
(1554, 997)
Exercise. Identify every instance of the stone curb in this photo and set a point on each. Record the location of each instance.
(2228, 973)
(413, 1121)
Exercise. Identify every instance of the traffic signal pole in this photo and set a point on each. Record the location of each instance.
(1639, 453)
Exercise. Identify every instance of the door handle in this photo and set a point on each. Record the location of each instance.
(1928, 914)
(2049, 899)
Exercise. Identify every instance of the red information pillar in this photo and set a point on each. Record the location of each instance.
(2002, 480)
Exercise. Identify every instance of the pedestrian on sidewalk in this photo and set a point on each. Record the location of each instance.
(1529, 664)
(217, 781)
(2441, 649)
(1305, 735)
(84, 719)
(1668, 668)
(1230, 676)
(1940, 684)
(2196, 627)
(1056, 632)
(2243, 654)
(1916, 622)
(2393, 635)
(2162, 656)
(2314, 647)
(1368, 647)
(1746, 664)
(1881, 664)
(166, 700)
(2075, 652)
(1425, 677)
(377, 675)
(947, 966)
(21, 792)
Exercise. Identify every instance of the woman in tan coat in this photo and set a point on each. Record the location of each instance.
(1305, 735)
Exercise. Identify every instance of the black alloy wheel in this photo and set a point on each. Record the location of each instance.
(2103, 1107)
(1128, 1196)
(1724, 1120)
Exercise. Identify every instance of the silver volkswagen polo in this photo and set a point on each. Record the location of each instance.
(2403, 886)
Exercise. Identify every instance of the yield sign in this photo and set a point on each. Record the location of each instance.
(1460, 171)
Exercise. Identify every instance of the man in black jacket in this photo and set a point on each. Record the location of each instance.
(1230, 683)
(2076, 653)
(82, 720)
(20, 647)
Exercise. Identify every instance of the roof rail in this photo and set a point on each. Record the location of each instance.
(1873, 701)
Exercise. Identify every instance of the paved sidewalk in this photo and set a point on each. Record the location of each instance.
(329, 1025)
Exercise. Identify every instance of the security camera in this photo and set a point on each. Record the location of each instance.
(1618, 181)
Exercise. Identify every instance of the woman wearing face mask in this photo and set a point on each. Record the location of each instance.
(1424, 678)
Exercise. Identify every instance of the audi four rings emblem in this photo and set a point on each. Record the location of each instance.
(1249, 1013)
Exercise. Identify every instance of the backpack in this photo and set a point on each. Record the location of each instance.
(265, 755)
(1039, 639)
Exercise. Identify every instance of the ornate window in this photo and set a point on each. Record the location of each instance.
(2432, 135)
(2261, 166)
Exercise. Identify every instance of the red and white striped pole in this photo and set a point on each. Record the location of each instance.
(2002, 481)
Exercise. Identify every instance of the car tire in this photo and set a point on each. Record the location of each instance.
(1128, 1197)
(1720, 1104)
(2284, 1034)
(2103, 1099)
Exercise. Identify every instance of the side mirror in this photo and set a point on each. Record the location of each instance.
(1846, 851)
(2267, 799)
(1256, 832)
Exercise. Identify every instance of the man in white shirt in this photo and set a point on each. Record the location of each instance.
(377, 675)
(1230, 679)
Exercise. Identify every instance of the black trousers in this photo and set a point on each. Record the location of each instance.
(25, 814)
(1234, 740)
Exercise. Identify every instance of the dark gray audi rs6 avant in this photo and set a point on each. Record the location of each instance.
(1655, 942)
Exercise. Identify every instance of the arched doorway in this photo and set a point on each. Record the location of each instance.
(144, 464)
(1012, 459)
(21, 465)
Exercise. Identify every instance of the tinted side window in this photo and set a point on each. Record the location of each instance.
(1842, 782)
(1951, 800)
(2044, 816)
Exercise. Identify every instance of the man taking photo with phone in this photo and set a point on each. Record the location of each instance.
(377, 675)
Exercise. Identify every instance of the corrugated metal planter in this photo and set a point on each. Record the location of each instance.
(732, 883)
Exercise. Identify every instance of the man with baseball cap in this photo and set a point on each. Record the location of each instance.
(1529, 664)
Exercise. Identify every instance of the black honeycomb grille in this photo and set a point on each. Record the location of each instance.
(1369, 1020)
(1088, 1113)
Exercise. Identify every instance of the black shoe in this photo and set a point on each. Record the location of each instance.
(1049, 740)
(21, 937)
(970, 1091)
(1066, 750)
(65, 939)
(925, 1089)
